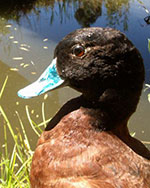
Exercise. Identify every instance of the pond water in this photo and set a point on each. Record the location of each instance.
(29, 32)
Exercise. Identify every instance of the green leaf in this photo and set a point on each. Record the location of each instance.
(4, 84)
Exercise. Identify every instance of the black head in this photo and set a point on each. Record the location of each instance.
(105, 66)
(92, 60)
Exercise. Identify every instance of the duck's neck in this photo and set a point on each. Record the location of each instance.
(114, 106)
(109, 109)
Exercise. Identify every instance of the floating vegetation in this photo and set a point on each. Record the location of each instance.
(25, 45)
(21, 64)
(8, 25)
(23, 48)
(46, 39)
(17, 58)
(15, 42)
(32, 62)
(14, 69)
(45, 47)
(17, 103)
(32, 111)
(33, 73)
(11, 37)
(26, 65)
(45, 96)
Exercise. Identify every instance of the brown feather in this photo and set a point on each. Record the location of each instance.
(77, 154)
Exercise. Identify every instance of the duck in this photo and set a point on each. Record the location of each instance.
(87, 143)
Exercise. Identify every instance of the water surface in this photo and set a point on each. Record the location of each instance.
(29, 33)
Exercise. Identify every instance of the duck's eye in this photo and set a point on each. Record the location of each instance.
(78, 51)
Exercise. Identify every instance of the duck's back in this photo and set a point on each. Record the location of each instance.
(74, 154)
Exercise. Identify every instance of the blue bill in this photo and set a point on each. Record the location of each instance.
(49, 80)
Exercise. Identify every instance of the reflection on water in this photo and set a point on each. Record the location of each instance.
(16, 8)
(117, 13)
(29, 32)
(88, 12)
(84, 11)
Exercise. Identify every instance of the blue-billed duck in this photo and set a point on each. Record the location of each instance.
(87, 144)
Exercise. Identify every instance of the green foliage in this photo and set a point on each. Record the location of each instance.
(15, 164)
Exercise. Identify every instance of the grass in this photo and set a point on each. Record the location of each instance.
(15, 166)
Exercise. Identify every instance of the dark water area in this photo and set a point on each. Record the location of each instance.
(29, 32)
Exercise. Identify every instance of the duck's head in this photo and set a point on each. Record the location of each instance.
(101, 63)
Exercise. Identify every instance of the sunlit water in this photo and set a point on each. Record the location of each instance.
(27, 45)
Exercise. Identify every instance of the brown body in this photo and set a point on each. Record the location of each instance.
(87, 144)
(76, 154)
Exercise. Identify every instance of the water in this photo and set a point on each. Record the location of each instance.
(29, 33)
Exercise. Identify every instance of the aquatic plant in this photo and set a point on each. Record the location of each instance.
(15, 162)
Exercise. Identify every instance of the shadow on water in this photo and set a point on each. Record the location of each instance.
(29, 32)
